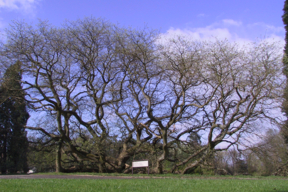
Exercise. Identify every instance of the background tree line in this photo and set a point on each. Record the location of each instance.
(106, 95)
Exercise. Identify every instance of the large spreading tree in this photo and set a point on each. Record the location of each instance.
(13, 118)
(116, 94)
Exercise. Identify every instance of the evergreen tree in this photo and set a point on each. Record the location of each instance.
(282, 170)
(285, 71)
(13, 118)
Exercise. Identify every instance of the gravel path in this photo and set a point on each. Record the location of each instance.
(31, 176)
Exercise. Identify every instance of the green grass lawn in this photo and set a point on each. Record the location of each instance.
(170, 175)
(163, 185)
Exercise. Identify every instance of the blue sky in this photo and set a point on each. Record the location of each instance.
(236, 20)
(232, 19)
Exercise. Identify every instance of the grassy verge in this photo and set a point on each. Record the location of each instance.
(188, 176)
(174, 184)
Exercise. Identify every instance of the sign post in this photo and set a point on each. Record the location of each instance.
(143, 163)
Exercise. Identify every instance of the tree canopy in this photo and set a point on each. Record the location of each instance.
(116, 94)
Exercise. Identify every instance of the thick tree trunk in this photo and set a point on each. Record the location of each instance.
(159, 164)
(122, 158)
(58, 158)
(192, 165)
(162, 158)
(4, 155)
(197, 162)
(101, 165)
(125, 155)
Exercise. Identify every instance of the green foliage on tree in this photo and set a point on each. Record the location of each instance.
(285, 70)
(41, 154)
(13, 118)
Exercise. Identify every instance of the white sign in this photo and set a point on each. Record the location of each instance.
(140, 164)
(30, 172)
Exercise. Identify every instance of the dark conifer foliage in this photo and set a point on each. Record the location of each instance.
(285, 70)
(13, 117)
